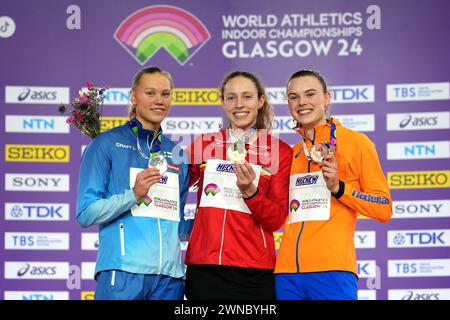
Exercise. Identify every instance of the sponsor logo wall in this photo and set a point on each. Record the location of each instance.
(371, 65)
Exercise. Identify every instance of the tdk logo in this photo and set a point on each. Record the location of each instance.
(353, 94)
(37, 211)
(225, 167)
(307, 180)
(399, 239)
(419, 238)
(367, 268)
(283, 124)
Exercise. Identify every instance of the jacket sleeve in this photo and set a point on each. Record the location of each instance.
(194, 156)
(92, 205)
(271, 209)
(373, 198)
(185, 225)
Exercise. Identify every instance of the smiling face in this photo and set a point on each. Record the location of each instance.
(307, 101)
(241, 103)
(152, 97)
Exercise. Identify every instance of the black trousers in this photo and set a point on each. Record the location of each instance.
(214, 282)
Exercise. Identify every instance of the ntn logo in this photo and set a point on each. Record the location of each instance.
(420, 149)
(38, 123)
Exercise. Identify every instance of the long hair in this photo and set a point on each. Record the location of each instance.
(264, 118)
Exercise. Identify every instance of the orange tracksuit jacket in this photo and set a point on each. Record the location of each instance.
(314, 246)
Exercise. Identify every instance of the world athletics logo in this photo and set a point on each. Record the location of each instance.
(147, 30)
(211, 189)
(294, 205)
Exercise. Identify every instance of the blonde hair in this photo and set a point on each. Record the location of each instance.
(137, 77)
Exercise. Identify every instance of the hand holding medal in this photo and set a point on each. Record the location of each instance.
(245, 176)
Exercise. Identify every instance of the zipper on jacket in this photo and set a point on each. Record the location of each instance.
(303, 222)
(296, 247)
(122, 240)
(160, 246)
(223, 234)
(264, 238)
(113, 278)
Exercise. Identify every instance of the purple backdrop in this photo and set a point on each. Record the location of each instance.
(388, 61)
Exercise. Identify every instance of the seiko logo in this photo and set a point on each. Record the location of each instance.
(418, 121)
(307, 180)
(37, 271)
(37, 95)
(37, 152)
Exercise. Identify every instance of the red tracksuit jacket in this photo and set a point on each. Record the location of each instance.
(233, 238)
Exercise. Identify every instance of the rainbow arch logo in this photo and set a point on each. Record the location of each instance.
(146, 31)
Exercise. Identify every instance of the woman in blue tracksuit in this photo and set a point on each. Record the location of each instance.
(133, 183)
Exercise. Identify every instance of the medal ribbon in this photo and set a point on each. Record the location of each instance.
(154, 147)
(332, 145)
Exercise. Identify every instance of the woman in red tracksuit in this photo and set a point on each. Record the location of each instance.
(243, 179)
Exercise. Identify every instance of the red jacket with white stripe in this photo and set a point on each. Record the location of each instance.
(233, 238)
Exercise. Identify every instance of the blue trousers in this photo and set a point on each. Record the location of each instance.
(121, 285)
(328, 285)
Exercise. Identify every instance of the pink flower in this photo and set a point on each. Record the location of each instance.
(78, 115)
(84, 100)
(70, 120)
(88, 85)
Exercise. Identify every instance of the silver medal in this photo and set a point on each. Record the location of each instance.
(158, 162)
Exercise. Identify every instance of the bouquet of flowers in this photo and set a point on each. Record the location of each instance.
(86, 110)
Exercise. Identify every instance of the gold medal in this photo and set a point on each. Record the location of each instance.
(236, 151)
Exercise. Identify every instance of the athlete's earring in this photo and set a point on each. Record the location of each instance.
(327, 113)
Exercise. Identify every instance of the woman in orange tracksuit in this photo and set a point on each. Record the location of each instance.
(335, 175)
